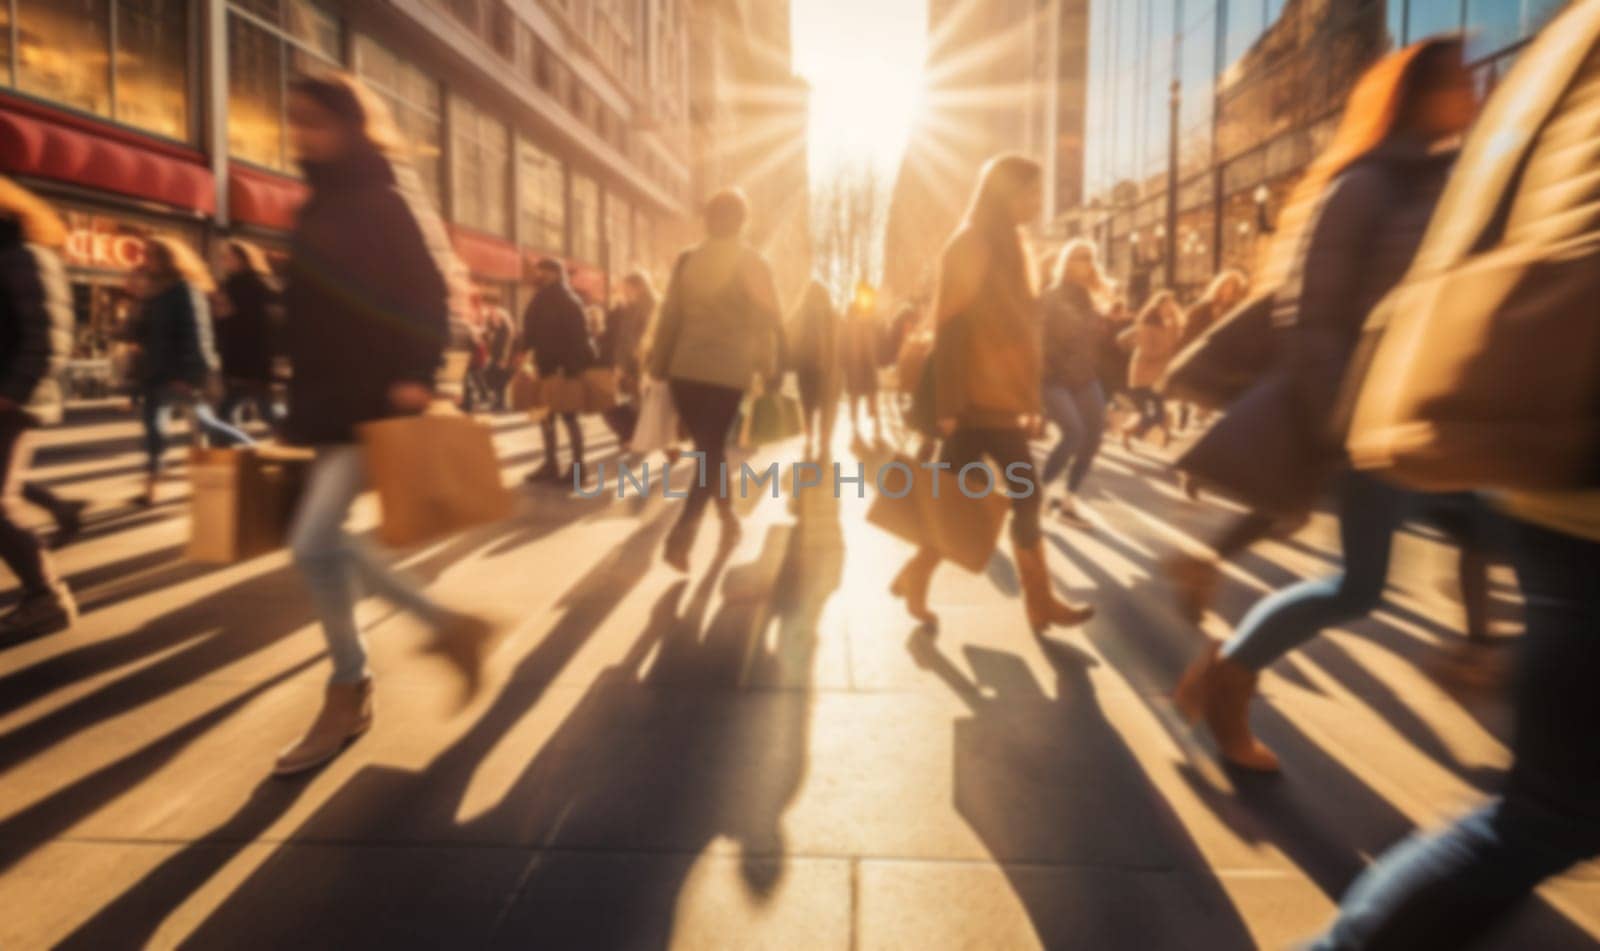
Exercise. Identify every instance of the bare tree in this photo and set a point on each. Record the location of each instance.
(849, 209)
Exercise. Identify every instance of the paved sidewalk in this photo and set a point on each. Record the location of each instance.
(765, 754)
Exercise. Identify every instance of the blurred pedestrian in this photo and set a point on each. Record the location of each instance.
(246, 335)
(1225, 292)
(1073, 329)
(499, 342)
(1153, 341)
(178, 361)
(35, 338)
(858, 361)
(367, 304)
(987, 365)
(626, 325)
(556, 328)
(1366, 202)
(720, 329)
(812, 336)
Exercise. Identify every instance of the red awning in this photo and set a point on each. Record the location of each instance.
(263, 199)
(486, 256)
(81, 152)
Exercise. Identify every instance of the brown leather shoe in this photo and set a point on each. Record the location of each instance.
(1220, 690)
(912, 582)
(1044, 608)
(346, 714)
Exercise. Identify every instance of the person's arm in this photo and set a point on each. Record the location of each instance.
(669, 322)
(415, 303)
(35, 289)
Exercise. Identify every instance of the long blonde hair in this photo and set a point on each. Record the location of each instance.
(1100, 284)
(170, 259)
(39, 222)
(1232, 276)
(991, 216)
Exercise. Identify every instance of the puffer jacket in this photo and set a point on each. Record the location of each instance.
(35, 322)
(555, 329)
(175, 338)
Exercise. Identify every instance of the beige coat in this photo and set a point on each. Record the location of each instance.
(1153, 346)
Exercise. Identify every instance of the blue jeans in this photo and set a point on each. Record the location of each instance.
(1370, 511)
(1445, 889)
(332, 560)
(1152, 407)
(1080, 413)
(156, 414)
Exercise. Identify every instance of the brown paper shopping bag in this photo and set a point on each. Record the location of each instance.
(599, 389)
(435, 475)
(242, 501)
(963, 529)
(562, 394)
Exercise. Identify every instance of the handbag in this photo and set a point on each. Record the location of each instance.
(525, 391)
(1225, 361)
(435, 474)
(561, 394)
(962, 529)
(599, 389)
(657, 426)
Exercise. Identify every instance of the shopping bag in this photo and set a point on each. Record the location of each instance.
(1225, 361)
(525, 391)
(435, 475)
(622, 419)
(964, 530)
(769, 418)
(242, 501)
(599, 389)
(1261, 453)
(657, 427)
(562, 394)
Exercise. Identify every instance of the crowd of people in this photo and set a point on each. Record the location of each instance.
(990, 366)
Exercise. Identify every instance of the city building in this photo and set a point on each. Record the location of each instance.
(540, 127)
(749, 113)
(1252, 89)
(1003, 76)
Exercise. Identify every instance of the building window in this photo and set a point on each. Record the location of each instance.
(480, 163)
(619, 234)
(270, 44)
(586, 219)
(414, 99)
(542, 199)
(64, 54)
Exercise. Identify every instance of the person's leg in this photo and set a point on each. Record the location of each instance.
(707, 410)
(155, 412)
(215, 430)
(1091, 404)
(574, 428)
(1369, 513)
(1062, 410)
(1241, 533)
(1444, 889)
(233, 400)
(19, 548)
(324, 556)
(551, 441)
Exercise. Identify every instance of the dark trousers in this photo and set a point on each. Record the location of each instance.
(1005, 448)
(552, 440)
(1445, 889)
(18, 546)
(156, 413)
(1152, 407)
(256, 394)
(707, 411)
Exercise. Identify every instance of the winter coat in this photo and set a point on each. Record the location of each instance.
(1073, 329)
(1154, 345)
(246, 337)
(987, 358)
(713, 327)
(366, 302)
(35, 321)
(625, 329)
(175, 338)
(555, 329)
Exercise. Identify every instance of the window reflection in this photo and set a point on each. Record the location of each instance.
(542, 204)
(255, 94)
(480, 164)
(585, 219)
(64, 52)
(152, 65)
(414, 99)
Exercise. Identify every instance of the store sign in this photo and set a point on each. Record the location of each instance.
(104, 250)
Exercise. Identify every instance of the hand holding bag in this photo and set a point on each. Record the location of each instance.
(599, 389)
(435, 475)
(562, 394)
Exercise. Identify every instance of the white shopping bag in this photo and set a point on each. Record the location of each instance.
(657, 428)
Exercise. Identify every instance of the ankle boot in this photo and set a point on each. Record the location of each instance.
(1194, 584)
(1219, 690)
(1044, 608)
(912, 583)
(346, 714)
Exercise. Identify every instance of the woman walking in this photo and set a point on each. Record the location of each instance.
(719, 329)
(812, 337)
(987, 366)
(367, 307)
(1073, 400)
(177, 353)
(858, 361)
(245, 333)
(35, 338)
(1368, 200)
(1153, 339)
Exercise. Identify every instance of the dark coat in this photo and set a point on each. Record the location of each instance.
(625, 329)
(175, 338)
(246, 337)
(35, 318)
(366, 303)
(554, 328)
(1073, 335)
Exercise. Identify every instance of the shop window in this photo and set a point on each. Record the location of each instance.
(64, 55)
(619, 235)
(480, 163)
(586, 219)
(413, 98)
(271, 43)
(541, 200)
(1431, 17)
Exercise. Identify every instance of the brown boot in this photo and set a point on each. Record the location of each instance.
(465, 642)
(1220, 690)
(1044, 608)
(912, 584)
(346, 714)
(1194, 583)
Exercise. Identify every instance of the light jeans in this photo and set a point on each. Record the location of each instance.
(333, 560)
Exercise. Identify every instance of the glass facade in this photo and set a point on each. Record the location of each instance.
(586, 219)
(126, 60)
(480, 168)
(414, 98)
(1261, 83)
(541, 199)
(270, 43)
